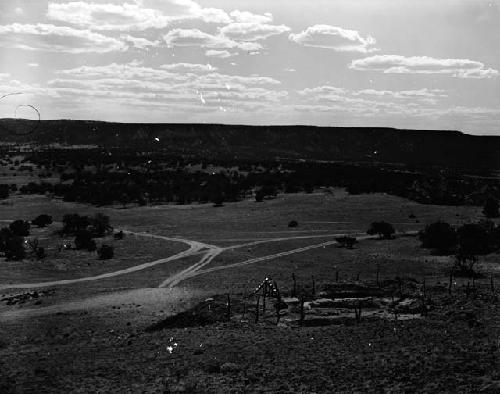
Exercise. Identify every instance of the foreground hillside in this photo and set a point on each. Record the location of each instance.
(121, 333)
(446, 148)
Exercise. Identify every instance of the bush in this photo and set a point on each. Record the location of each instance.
(491, 208)
(293, 223)
(105, 252)
(73, 223)
(383, 229)
(440, 236)
(473, 239)
(40, 253)
(4, 191)
(346, 242)
(83, 240)
(15, 248)
(20, 228)
(100, 225)
(42, 220)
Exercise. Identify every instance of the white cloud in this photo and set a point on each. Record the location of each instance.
(139, 42)
(335, 38)
(175, 85)
(251, 31)
(46, 37)
(222, 54)
(396, 64)
(370, 101)
(33, 65)
(195, 37)
(132, 14)
(248, 17)
(18, 11)
(188, 67)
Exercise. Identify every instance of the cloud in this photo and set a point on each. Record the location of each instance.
(251, 31)
(248, 17)
(174, 85)
(396, 64)
(132, 14)
(335, 38)
(222, 54)
(188, 67)
(370, 101)
(46, 37)
(33, 65)
(195, 37)
(138, 42)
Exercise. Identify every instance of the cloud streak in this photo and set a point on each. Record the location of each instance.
(396, 64)
(47, 37)
(335, 38)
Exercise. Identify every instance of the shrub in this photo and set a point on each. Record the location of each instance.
(73, 223)
(20, 228)
(383, 229)
(83, 240)
(15, 248)
(100, 225)
(42, 220)
(4, 191)
(346, 242)
(259, 196)
(119, 235)
(293, 223)
(491, 208)
(105, 252)
(40, 253)
(440, 236)
(473, 239)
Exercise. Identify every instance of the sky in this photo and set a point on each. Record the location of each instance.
(421, 64)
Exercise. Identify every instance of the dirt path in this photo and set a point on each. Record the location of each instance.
(197, 272)
(194, 247)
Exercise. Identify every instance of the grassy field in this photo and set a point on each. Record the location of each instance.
(92, 332)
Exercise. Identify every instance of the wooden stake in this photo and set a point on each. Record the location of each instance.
(278, 303)
(302, 313)
(257, 310)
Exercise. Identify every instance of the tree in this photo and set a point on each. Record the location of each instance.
(440, 236)
(473, 239)
(105, 252)
(20, 228)
(15, 248)
(42, 220)
(73, 223)
(383, 229)
(100, 225)
(4, 191)
(83, 240)
(5, 235)
(346, 241)
(491, 208)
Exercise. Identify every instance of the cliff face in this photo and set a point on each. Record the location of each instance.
(434, 147)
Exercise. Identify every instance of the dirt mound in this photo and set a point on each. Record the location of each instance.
(210, 311)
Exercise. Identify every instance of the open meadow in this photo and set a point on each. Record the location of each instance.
(172, 258)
